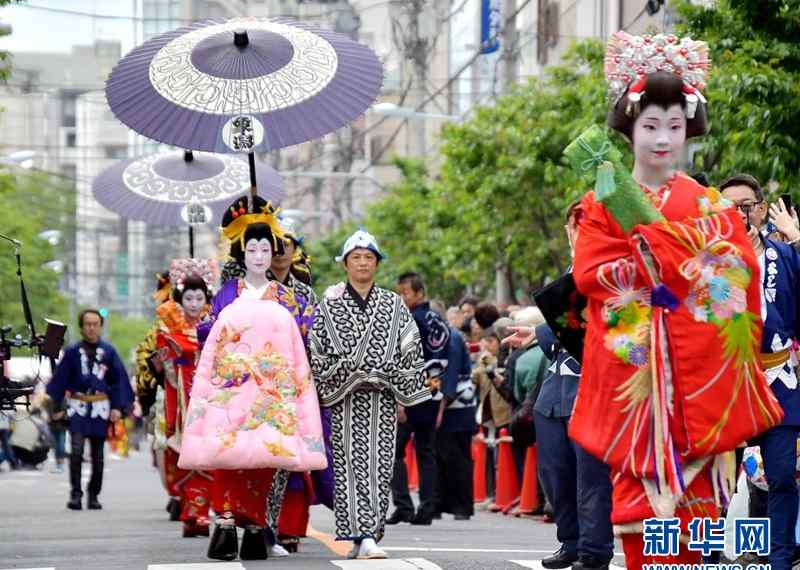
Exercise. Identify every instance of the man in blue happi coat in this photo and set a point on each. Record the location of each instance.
(93, 378)
(780, 274)
(420, 420)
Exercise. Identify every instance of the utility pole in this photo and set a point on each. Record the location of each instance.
(503, 293)
(510, 48)
(410, 37)
(419, 50)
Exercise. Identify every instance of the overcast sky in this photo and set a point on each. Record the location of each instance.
(36, 27)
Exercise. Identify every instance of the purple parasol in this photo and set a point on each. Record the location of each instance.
(243, 85)
(160, 188)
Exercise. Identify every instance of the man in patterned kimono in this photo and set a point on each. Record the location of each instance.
(99, 391)
(780, 271)
(366, 356)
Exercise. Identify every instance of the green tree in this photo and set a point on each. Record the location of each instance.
(125, 333)
(29, 204)
(503, 188)
(410, 223)
(754, 88)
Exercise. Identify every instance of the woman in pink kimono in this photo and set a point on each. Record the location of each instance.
(253, 406)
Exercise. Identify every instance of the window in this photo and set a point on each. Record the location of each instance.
(116, 151)
(71, 140)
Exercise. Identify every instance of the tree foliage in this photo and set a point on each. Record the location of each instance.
(754, 88)
(28, 206)
(505, 185)
(502, 192)
(500, 198)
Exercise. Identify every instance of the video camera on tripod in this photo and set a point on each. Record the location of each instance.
(49, 345)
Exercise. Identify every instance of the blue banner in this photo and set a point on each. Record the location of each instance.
(491, 25)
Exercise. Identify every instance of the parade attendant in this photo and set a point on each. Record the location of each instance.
(253, 407)
(670, 368)
(150, 391)
(291, 267)
(291, 494)
(192, 280)
(366, 356)
(455, 426)
(99, 391)
(576, 483)
(147, 377)
(420, 421)
(780, 273)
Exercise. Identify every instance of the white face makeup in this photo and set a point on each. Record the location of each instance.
(193, 302)
(257, 256)
(658, 137)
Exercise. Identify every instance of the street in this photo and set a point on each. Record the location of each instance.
(133, 532)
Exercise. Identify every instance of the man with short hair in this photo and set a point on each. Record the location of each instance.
(99, 391)
(420, 420)
(780, 271)
(367, 357)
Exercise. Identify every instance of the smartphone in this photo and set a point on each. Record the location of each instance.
(787, 202)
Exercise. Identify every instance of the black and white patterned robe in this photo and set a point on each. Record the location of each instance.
(366, 356)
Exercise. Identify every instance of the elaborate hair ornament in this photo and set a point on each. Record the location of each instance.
(189, 269)
(241, 219)
(630, 59)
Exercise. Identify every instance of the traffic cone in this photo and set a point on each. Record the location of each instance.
(411, 466)
(529, 496)
(479, 469)
(507, 488)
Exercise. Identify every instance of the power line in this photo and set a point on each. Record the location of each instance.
(636, 19)
(183, 21)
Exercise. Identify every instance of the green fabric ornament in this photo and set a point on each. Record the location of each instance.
(600, 164)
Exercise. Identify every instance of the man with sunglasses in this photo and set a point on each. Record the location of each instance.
(780, 274)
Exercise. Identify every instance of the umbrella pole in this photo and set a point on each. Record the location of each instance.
(191, 241)
(251, 158)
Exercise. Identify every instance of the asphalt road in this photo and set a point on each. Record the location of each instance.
(133, 532)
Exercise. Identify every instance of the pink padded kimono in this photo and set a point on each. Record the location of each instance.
(253, 404)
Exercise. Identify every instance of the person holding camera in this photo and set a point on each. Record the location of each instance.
(780, 270)
(99, 391)
(494, 401)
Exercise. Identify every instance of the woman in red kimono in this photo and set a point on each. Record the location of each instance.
(178, 351)
(671, 352)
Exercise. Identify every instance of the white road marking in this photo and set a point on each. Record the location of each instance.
(489, 550)
(435, 549)
(388, 564)
(18, 483)
(201, 566)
